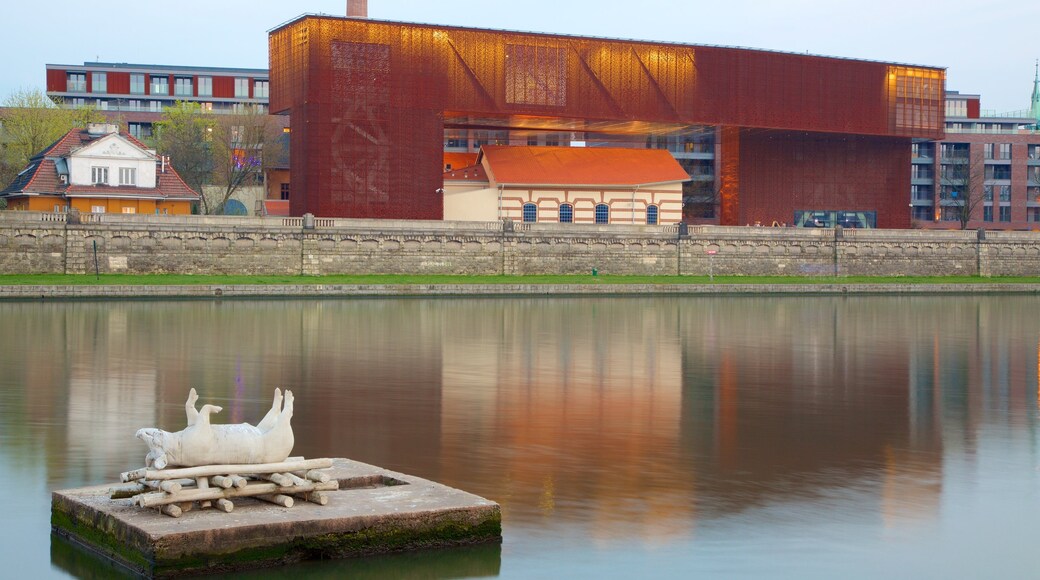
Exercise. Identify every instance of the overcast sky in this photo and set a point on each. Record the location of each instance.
(987, 48)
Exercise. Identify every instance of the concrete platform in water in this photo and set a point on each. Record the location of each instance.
(375, 511)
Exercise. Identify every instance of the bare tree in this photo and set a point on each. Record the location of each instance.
(185, 134)
(244, 145)
(961, 179)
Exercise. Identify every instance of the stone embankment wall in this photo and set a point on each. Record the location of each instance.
(37, 243)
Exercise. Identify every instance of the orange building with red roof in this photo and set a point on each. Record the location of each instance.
(99, 170)
(603, 185)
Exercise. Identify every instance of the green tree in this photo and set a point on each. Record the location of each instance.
(185, 134)
(245, 144)
(30, 121)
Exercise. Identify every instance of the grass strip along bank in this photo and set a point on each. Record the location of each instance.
(393, 279)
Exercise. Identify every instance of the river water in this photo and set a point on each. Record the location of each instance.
(793, 437)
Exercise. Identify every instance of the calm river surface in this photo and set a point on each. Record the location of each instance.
(877, 437)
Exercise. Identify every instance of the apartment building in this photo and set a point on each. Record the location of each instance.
(988, 164)
(139, 92)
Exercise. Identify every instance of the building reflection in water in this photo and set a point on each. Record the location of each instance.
(638, 418)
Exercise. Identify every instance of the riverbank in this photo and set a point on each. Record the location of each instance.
(59, 287)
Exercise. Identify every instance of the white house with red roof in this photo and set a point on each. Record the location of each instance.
(99, 170)
(593, 185)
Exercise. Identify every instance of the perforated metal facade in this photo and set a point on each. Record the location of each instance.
(370, 100)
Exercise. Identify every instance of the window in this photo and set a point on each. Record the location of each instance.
(987, 151)
(76, 83)
(602, 214)
(923, 213)
(136, 84)
(206, 107)
(1005, 151)
(205, 86)
(1033, 194)
(129, 210)
(530, 212)
(987, 193)
(155, 106)
(101, 104)
(651, 215)
(182, 87)
(260, 89)
(1034, 152)
(160, 85)
(987, 213)
(566, 213)
(998, 172)
(140, 130)
(921, 192)
(127, 176)
(1005, 193)
(134, 105)
(241, 88)
(99, 175)
(1005, 213)
(1033, 214)
(285, 191)
(98, 82)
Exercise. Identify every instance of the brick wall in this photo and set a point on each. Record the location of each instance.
(283, 246)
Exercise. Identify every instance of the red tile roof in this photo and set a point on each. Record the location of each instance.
(41, 175)
(581, 166)
(459, 160)
(472, 173)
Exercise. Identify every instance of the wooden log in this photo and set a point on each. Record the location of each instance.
(170, 486)
(318, 497)
(203, 484)
(296, 479)
(238, 481)
(225, 505)
(127, 491)
(277, 499)
(278, 478)
(223, 481)
(253, 489)
(318, 476)
(172, 510)
(186, 506)
(210, 470)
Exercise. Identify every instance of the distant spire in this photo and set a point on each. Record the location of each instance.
(1034, 107)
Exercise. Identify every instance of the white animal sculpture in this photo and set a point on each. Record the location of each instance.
(201, 443)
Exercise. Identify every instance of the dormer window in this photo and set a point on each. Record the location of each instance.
(127, 176)
(99, 175)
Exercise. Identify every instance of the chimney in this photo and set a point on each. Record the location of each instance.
(357, 8)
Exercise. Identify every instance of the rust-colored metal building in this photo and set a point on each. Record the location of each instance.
(370, 102)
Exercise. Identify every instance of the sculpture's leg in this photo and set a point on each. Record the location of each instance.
(189, 407)
(287, 410)
(271, 417)
(204, 414)
(283, 424)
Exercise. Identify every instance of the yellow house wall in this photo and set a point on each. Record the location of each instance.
(470, 202)
(626, 207)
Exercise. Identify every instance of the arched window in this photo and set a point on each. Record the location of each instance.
(566, 213)
(530, 212)
(651, 215)
(602, 214)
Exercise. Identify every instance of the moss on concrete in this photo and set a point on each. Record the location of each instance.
(104, 539)
(442, 530)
